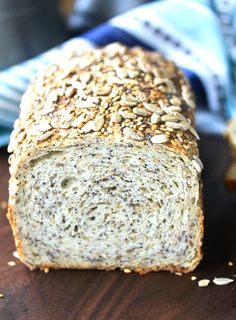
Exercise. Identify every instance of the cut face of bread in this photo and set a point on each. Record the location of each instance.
(106, 205)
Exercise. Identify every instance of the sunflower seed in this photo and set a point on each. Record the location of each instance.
(129, 98)
(199, 162)
(121, 73)
(130, 133)
(181, 126)
(141, 112)
(175, 101)
(45, 135)
(169, 117)
(142, 97)
(160, 138)
(194, 132)
(78, 121)
(88, 127)
(85, 77)
(153, 108)
(116, 117)
(102, 91)
(155, 118)
(70, 91)
(196, 166)
(85, 104)
(98, 123)
(127, 115)
(40, 127)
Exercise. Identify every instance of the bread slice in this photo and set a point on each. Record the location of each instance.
(105, 171)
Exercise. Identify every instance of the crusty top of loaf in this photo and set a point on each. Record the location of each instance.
(114, 93)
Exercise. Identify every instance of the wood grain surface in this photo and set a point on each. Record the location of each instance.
(82, 295)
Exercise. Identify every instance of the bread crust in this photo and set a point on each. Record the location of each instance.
(27, 144)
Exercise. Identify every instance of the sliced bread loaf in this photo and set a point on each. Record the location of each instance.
(105, 171)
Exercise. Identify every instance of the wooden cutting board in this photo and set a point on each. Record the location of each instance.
(82, 295)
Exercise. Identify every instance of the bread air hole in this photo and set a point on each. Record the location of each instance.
(68, 183)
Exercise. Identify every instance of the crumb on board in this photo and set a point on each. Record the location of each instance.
(178, 273)
(1, 295)
(203, 283)
(126, 270)
(230, 264)
(16, 255)
(46, 270)
(3, 205)
(11, 263)
(193, 278)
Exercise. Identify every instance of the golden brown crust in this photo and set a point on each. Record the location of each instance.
(148, 103)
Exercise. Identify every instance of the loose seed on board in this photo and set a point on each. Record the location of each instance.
(15, 254)
(203, 283)
(11, 263)
(222, 281)
(193, 278)
(126, 270)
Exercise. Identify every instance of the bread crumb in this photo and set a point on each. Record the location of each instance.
(222, 281)
(11, 263)
(1, 295)
(178, 273)
(193, 278)
(16, 255)
(203, 283)
(126, 270)
(46, 270)
(3, 205)
(230, 264)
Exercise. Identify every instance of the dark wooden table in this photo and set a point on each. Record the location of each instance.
(72, 295)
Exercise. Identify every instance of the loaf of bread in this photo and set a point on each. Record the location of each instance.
(105, 170)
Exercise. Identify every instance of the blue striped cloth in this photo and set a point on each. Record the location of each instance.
(199, 35)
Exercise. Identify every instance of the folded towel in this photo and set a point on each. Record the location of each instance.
(199, 35)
